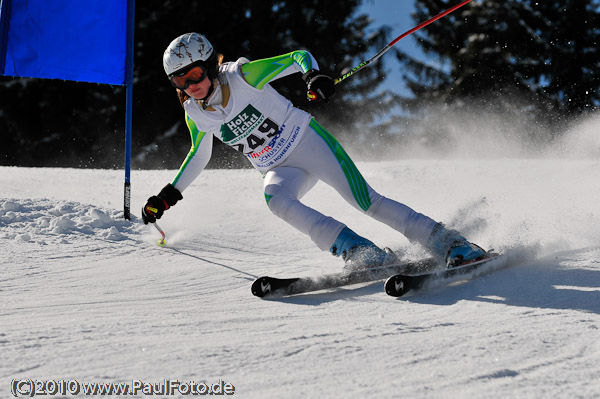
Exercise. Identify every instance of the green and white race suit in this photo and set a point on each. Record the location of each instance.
(289, 147)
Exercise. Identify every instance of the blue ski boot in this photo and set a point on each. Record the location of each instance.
(358, 252)
(452, 248)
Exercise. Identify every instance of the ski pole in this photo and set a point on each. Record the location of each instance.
(396, 40)
(161, 242)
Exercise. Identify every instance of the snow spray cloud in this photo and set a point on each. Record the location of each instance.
(581, 141)
(488, 129)
(539, 196)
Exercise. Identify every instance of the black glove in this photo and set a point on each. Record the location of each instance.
(157, 204)
(320, 87)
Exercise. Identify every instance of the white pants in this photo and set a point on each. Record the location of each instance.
(319, 156)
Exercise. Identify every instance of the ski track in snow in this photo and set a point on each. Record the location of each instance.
(87, 295)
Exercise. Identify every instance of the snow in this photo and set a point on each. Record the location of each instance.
(86, 295)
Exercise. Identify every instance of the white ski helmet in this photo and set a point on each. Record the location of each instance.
(188, 49)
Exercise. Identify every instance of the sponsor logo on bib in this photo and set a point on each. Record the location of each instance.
(241, 125)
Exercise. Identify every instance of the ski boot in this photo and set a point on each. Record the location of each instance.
(452, 248)
(360, 253)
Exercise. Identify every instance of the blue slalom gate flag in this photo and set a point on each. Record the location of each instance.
(80, 40)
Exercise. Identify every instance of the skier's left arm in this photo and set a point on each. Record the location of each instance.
(260, 72)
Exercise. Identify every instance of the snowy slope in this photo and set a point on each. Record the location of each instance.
(86, 295)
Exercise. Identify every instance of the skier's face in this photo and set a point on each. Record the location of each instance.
(193, 82)
(199, 90)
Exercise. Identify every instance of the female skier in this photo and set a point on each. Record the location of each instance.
(234, 102)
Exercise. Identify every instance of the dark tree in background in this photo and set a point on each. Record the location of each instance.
(56, 123)
(532, 59)
(520, 59)
(572, 36)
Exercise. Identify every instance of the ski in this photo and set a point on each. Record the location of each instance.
(271, 286)
(400, 283)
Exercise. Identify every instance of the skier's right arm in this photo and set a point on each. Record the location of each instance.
(196, 160)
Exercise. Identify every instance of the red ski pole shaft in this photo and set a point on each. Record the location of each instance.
(396, 40)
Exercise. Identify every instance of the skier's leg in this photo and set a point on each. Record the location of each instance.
(322, 156)
(357, 251)
(283, 187)
(330, 163)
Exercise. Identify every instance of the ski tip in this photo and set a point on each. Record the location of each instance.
(261, 287)
(395, 286)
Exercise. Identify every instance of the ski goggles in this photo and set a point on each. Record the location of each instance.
(192, 76)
